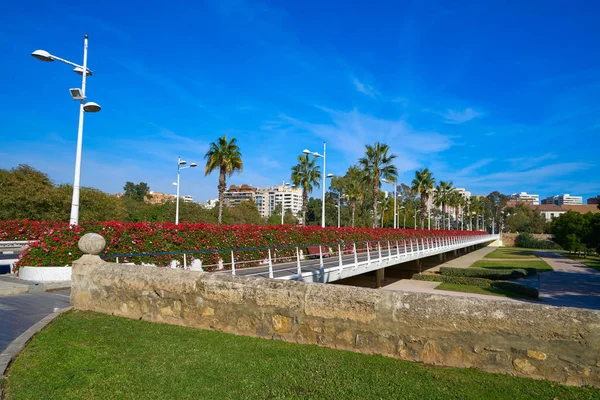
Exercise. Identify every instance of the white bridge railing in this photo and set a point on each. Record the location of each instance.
(308, 263)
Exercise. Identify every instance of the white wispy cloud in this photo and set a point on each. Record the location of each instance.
(459, 117)
(364, 88)
(270, 163)
(348, 132)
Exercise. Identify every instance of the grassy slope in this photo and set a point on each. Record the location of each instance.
(85, 355)
(511, 252)
(590, 261)
(453, 287)
(538, 264)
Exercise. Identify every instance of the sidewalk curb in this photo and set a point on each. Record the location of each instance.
(13, 349)
(21, 288)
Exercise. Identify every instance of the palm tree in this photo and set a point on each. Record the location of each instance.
(454, 199)
(306, 174)
(225, 156)
(377, 164)
(477, 208)
(442, 191)
(353, 187)
(423, 184)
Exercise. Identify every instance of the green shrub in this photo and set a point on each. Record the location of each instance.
(486, 273)
(527, 240)
(519, 288)
(480, 282)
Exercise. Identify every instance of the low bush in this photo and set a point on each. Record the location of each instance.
(55, 243)
(480, 282)
(527, 240)
(486, 273)
(524, 290)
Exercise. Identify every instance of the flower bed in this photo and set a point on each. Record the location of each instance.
(57, 245)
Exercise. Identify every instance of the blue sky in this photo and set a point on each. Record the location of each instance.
(491, 95)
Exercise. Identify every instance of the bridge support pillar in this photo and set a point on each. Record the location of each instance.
(442, 257)
(379, 275)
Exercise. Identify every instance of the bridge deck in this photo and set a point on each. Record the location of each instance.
(336, 266)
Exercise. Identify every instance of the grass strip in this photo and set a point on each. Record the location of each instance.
(85, 355)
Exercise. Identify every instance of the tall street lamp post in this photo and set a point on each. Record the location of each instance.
(395, 211)
(324, 156)
(180, 162)
(415, 223)
(404, 208)
(76, 94)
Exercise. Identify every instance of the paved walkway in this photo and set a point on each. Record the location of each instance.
(571, 284)
(409, 285)
(19, 312)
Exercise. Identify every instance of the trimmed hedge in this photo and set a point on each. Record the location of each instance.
(480, 282)
(486, 273)
(527, 241)
(526, 291)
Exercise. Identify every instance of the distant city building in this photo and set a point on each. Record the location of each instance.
(235, 195)
(549, 211)
(561, 199)
(187, 199)
(267, 200)
(524, 197)
(594, 200)
(464, 192)
(159, 198)
(210, 204)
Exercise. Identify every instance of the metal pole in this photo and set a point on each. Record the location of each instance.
(74, 220)
(282, 190)
(324, 177)
(395, 210)
(177, 200)
(339, 206)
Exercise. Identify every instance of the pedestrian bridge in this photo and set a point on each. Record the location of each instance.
(326, 262)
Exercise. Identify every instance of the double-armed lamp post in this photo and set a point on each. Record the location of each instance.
(76, 94)
(324, 156)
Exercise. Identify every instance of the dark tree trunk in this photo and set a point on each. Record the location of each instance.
(222, 186)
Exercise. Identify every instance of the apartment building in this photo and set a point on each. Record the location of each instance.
(159, 198)
(524, 197)
(563, 199)
(267, 199)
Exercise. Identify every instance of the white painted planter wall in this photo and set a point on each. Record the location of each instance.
(45, 274)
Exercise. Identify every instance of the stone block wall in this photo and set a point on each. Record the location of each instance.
(508, 239)
(524, 339)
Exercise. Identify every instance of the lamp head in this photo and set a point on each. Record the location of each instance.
(91, 107)
(182, 162)
(330, 175)
(192, 165)
(305, 151)
(174, 183)
(79, 71)
(43, 55)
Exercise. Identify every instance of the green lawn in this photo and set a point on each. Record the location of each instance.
(590, 261)
(84, 355)
(453, 287)
(511, 252)
(539, 265)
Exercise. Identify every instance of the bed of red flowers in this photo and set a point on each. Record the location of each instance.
(55, 244)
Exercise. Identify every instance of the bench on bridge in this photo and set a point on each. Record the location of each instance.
(315, 251)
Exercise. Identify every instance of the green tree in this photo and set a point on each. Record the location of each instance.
(306, 174)
(354, 189)
(494, 204)
(377, 164)
(246, 213)
(423, 184)
(523, 219)
(26, 193)
(223, 155)
(441, 196)
(136, 192)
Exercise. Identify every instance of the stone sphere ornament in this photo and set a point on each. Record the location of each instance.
(92, 243)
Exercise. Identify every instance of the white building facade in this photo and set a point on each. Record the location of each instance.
(526, 198)
(565, 198)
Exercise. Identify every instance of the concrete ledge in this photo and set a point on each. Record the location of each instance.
(45, 274)
(13, 349)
